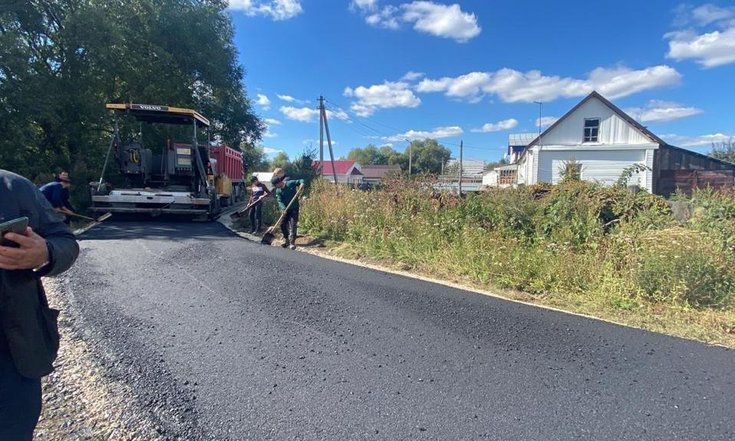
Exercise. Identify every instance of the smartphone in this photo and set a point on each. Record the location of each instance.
(18, 225)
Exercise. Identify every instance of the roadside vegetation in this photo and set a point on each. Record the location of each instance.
(630, 257)
(61, 61)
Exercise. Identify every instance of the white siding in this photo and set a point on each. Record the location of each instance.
(526, 174)
(613, 129)
(490, 179)
(600, 166)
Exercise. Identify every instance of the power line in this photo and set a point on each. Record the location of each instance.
(339, 107)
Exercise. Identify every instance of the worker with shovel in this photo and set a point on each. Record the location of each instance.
(258, 192)
(57, 193)
(287, 191)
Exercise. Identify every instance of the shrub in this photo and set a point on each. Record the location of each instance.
(576, 240)
(678, 265)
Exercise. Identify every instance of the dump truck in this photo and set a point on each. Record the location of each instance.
(229, 174)
(165, 175)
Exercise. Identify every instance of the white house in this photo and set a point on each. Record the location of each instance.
(598, 136)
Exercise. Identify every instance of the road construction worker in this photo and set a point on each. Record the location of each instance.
(285, 191)
(57, 194)
(258, 191)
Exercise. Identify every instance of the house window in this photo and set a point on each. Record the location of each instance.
(591, 129)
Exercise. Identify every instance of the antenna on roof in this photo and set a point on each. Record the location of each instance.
(539, 117)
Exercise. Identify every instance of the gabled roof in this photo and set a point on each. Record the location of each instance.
(521, 139)
(379, 171)
(342, 167)
(627, 118)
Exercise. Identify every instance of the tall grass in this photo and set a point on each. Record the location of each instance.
(573, 242)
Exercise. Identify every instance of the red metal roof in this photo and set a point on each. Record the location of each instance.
(342, 167)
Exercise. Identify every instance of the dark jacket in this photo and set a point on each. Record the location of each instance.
(54, 192)
(285, 194)
(27, 324)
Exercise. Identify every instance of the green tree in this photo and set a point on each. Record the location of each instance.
(396, 158)
(62, 60)
(254, 159)
(303, 167)
(428, 156)
(280, 161)
(371, 155)
(495, 164)
(724, 151)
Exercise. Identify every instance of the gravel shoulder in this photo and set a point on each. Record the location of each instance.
(80, 401)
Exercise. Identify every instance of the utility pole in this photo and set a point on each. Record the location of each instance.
(461, 144)
(410, 157)
(321, 133)
(539, 117)
(323, 124)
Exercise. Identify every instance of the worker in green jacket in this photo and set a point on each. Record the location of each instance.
(285, 192)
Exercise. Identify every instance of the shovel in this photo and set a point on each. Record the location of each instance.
(94, 222)
(239, 213)
(269, 234)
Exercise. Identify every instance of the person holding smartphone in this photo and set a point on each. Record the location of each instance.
(29, 337)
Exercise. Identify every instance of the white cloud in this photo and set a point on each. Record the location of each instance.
(709, 50)
(303, 114)
(662, 111)
(381, 96)
(445, 21)
(499, 126)
(271, 150)
(276, 9)
(514, 86)
(694, 141)
(546, 121)
(263, 101)
(313, 143)
(463, 86)
(437, 133)
(706, 35)
(385, 18)
(412, 76)
(268, 123)
(287, 98)
(308, 114)
(704, 15)
(708, 14)
(365, 5)
(441, 20)
(338, 114)
(622, 81)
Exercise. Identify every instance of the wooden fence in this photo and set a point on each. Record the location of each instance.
(687, 180)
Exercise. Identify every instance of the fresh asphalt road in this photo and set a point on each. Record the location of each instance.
(222, 338)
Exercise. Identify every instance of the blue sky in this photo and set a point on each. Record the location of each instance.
(471, 71)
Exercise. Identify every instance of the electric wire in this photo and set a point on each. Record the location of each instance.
(454, 144)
